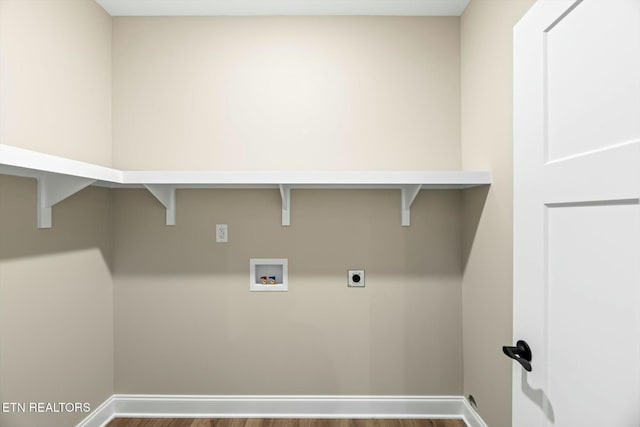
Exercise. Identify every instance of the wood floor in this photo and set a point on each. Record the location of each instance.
(278, 422)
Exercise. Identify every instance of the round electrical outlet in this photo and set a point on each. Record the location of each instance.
(356, 278)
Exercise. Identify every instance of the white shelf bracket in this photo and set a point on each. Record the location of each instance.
(166, 194)
(285, 194)
(408, 194)
(54, 188)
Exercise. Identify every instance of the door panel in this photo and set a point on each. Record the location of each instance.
(589, 67)
(587, 177)
(592, 294)
(577, 213)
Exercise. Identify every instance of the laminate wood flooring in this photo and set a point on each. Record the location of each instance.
(279, 422)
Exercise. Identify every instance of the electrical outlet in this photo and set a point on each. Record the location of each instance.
(222, 233)
(356, 278)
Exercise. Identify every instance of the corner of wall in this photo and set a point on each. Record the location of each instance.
(486, 80)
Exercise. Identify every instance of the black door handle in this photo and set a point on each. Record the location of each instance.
(520, 353)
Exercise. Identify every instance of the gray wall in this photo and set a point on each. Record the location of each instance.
(288, 93)
(56, 303)
(55, 77)
(187, 323)
(274, 93)
(487, 81)
(56, 291)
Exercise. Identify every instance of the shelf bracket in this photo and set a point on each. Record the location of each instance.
(54, 188)
(166, 194)
(285, 194)
(408, 194)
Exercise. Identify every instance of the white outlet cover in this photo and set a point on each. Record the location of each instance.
(356, 278)
(222, 233)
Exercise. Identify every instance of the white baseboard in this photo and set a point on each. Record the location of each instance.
(101, 415)
(470, 415)
(167, 406)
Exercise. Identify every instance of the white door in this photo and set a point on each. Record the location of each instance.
(577, 213)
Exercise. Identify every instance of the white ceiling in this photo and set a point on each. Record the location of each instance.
(283, 7)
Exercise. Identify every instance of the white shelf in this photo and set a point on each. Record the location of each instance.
(59, 178)
(310, 179)
(18, 161)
